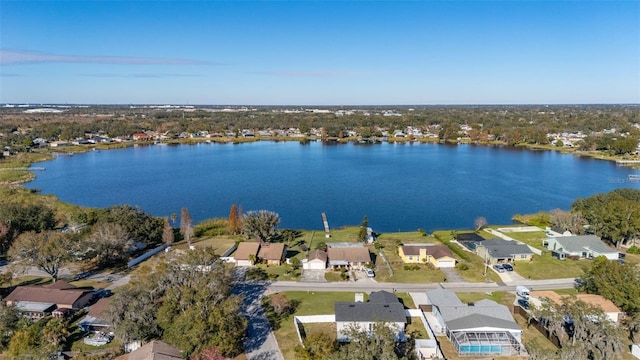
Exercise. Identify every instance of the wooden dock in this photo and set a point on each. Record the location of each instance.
(325, 222)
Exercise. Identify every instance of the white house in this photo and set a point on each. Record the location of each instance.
(382, 306)
(585, 246)
(317, 260)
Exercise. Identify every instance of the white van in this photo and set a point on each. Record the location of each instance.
(522, 291)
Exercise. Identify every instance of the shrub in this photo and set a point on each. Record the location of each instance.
(462, 266)
(411, 267)
(633, 250)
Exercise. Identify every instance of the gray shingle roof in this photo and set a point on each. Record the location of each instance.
(573, 244)
(441, 297)
(457, 315)
(367, 311)
(382, 306)
(479, 320)
(504, 248)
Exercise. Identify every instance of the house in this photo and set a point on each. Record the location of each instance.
(154, 350)
(469, 240)
(95, 320)
(349, 255)
(141, 137)
(272, 253)
(317, 260)
(479, 329)
(246, 254)
(557, 231)
(498, 251)
(382, 306)
(36, 302)
(584, 246)
(438, 255)
(608, 307)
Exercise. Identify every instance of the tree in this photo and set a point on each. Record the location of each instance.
(55, 332)
(614, 216)
(260, 224)
(108, 244)
(199, 310)
(132, 312)
(317, 346)
(212, 353)
(377, 344)
(47, 251)
(9, 318)
(572, 221)
(235, 220)
(588, 334)
(186, 225)
(140, 225)
(479, 223)
(281, 305)
(167, 232)
(616, 282)
(362, 233)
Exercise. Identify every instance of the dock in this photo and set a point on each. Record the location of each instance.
(620, 161)
(325, 222)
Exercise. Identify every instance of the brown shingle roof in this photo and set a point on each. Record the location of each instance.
(61, 285)
(245, 249)
(350, 254)
(271, 251)
(437, 251)
(46, 295)
(596, 300)
(318, 254)
(97, 308)
(156, 350)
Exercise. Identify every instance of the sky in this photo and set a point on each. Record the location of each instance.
(320, 52)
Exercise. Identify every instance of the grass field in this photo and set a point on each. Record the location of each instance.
(547, 267)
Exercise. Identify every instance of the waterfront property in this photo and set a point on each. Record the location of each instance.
(348, 255)
(581, 247)
(249, 253)
(498, 251)
(438, 255)
(317, 260)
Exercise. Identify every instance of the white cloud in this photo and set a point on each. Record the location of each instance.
(328, 73)
(15, 57)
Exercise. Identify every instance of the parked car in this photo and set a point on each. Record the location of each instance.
(369, 273)
(508, 267)
(498, 268)
(523, 304)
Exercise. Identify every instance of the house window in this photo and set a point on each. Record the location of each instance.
(410, 257)
(523, 256)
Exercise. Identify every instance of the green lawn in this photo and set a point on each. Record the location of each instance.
(547, 267)
(416, 328)
(310, 303)
(533, 238)
(501, 297)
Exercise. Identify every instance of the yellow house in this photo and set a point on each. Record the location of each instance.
(438, 255)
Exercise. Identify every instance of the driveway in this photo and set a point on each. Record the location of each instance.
(314, 276)
(452, 275)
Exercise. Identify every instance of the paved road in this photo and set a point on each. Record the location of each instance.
(260, 343)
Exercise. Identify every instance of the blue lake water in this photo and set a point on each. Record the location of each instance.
(400, 187)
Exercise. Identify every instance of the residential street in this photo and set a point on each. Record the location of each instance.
(261, 343)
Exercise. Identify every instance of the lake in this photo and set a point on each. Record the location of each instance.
(400, 187)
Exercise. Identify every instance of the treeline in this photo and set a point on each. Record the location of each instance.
(511, 124)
